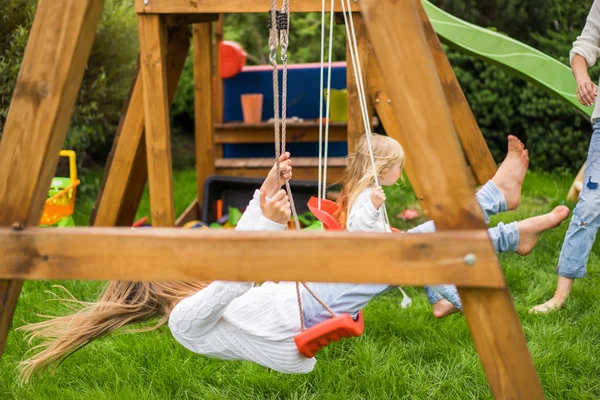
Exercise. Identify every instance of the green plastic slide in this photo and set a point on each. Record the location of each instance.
(508, 53)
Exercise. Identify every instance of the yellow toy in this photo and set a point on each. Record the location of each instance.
(61, 196)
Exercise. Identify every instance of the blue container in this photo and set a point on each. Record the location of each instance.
(302, 101)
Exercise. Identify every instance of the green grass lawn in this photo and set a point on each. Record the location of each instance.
(404, 353)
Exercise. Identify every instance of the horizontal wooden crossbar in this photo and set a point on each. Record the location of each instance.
(201, 255)
(228, 6)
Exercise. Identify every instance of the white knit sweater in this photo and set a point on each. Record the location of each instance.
(587, 44)
(238, 321)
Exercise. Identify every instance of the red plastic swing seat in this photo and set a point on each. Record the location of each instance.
(312, 340)
(325, 214)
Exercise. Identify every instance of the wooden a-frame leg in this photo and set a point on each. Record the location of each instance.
(153, 49)
(51, 72)
(474, 146)
(427, 131)
(203, 105)
(356, 127)
(126, 170)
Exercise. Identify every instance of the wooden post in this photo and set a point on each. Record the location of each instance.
(51, 72)
(126, 170)
(203, 106)
(153, 46)
(218, 105)
(474, 146)
(356, 127)
(426, 126)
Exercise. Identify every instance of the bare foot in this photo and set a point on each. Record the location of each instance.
(531, 229)
(549, 306)
(510, 174)
(563, 288)
(443, 308)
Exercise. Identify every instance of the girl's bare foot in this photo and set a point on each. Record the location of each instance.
(511, 173)
(443, 308)
(563, 288)
(531, 229)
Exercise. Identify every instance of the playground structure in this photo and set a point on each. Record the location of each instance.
(409, 82)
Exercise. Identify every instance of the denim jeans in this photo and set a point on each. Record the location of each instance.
(585, 220)
(352, 297)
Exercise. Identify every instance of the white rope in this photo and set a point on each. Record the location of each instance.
(351, 34)
(331, 23)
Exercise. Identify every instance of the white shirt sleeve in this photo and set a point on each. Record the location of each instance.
(363, 216)
(254, 220)
(587, 44)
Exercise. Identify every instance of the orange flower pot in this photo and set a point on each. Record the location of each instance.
(252, 107)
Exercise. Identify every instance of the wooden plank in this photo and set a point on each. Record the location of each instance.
(182, 254)
(356, 127)
(335, 175)
(203, 105)
(424, 121)
(499, 339)
(426, 126)
(261, 162)
(219, 104)
(305, 168)
(298, 132)
(49, 78)
(379, 97)
(189, 19)
(126, 171)
(230, 6)
(153, 45)
(474, 146)
(191, 213)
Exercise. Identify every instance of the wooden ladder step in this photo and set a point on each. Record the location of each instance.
(299, 132)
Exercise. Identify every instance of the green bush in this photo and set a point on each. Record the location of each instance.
(107, 78)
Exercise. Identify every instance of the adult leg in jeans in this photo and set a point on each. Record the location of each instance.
(582, 230)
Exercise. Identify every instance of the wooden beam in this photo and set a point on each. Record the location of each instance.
(356, 127)
(203, 105)
(126, 171)
(299, 132)
(426, 125)
(382, 102)
(424, 121)
(305, 168)
(475, 148)
(189, 19)
(49, 78)
(219, 104)
(182, 254)
(379, 97)
(191, 213)
(153, 46)
(227, 7)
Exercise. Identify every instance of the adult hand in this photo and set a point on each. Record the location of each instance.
(587, 92)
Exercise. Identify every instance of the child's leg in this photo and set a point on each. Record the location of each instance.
(198, 314)
(342, 298)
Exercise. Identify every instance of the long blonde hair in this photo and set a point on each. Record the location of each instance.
(359, 174)
(121, 303)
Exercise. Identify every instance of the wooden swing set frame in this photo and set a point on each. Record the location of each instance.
(409, 82)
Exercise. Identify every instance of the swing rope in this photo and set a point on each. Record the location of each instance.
(353, 46)
(352, 42)
(279, 35)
